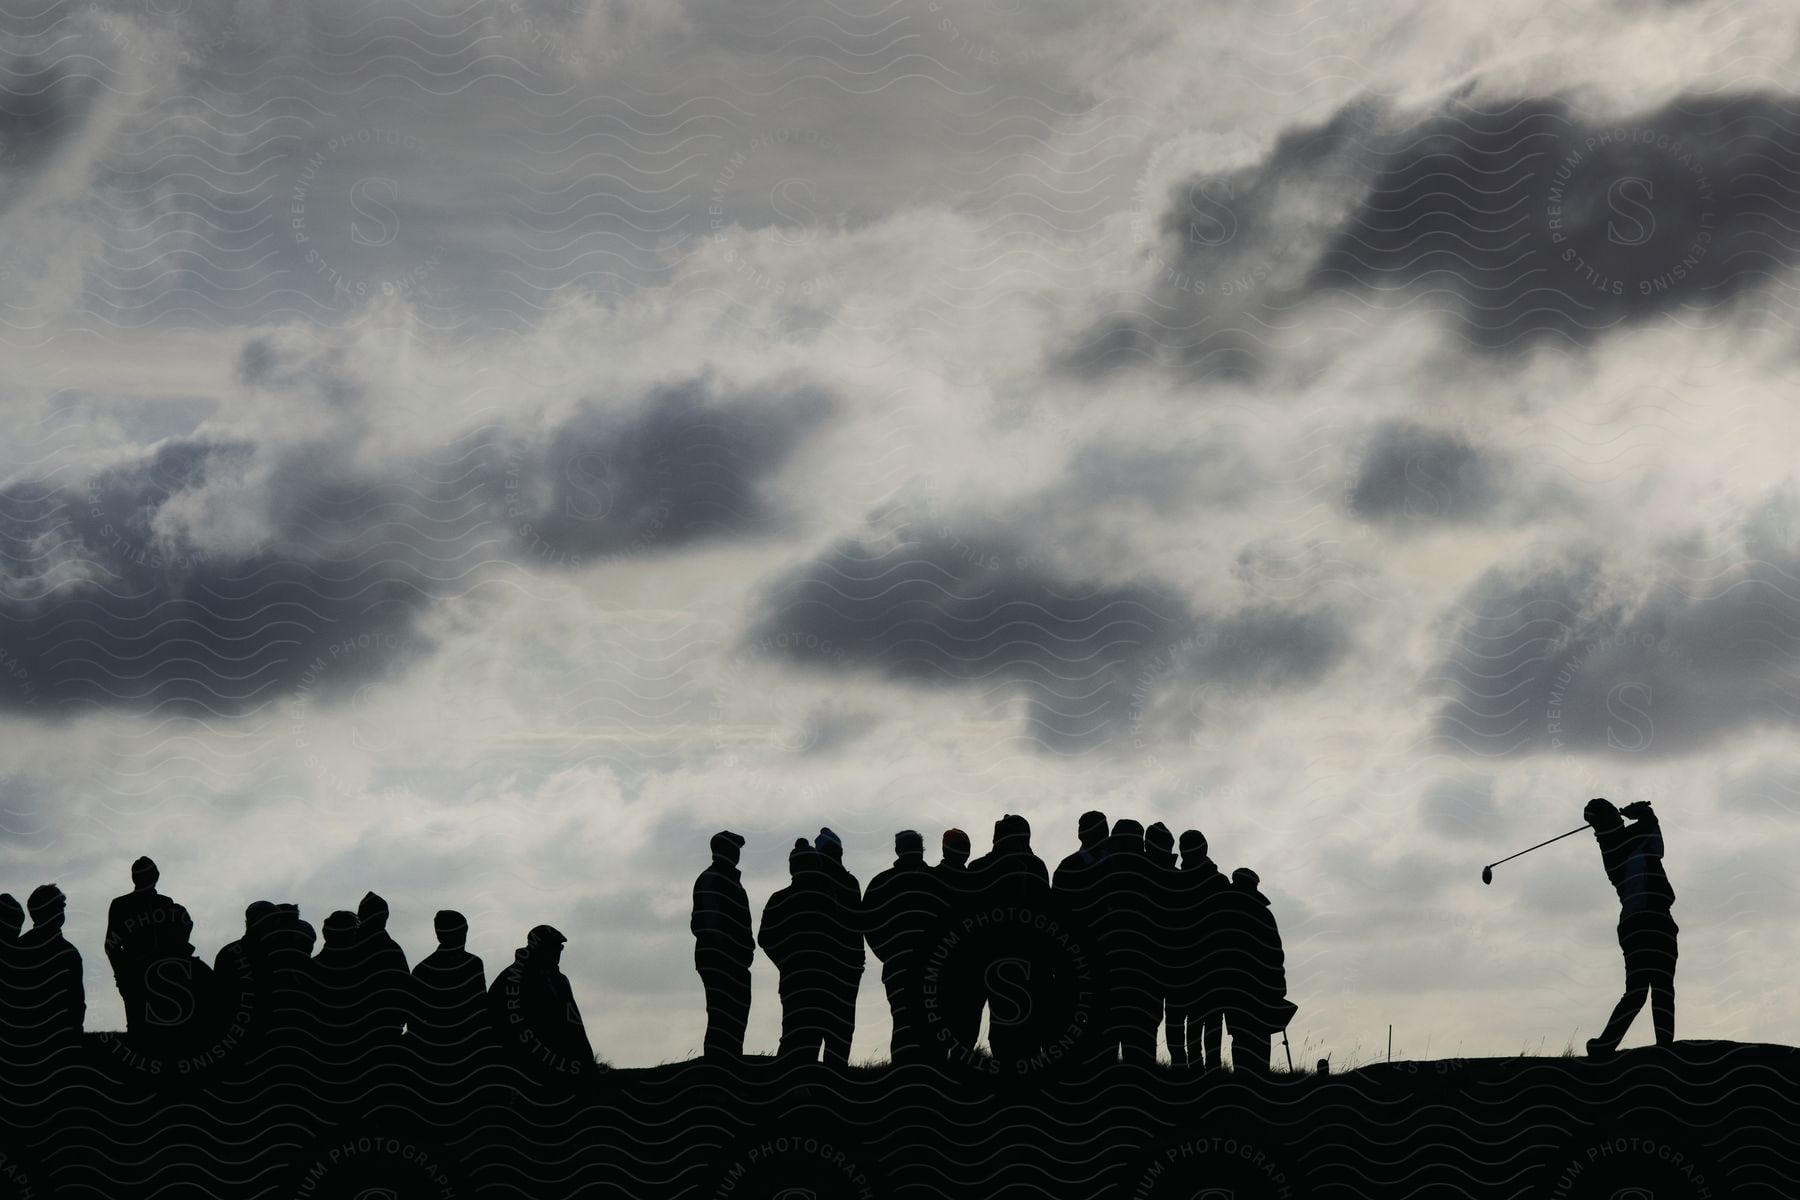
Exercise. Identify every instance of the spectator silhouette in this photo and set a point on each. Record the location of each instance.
(793, 934)
(534, 1009)
(448, 1021)
(1083, 904)
(138, 934)
(1194, 1028)
(386, 976)
(343, 1020)
(903, 907)
(1123, 923)
(724, 948)
(1092, 830)
(51, 997)
(1166, 927)
(1632, 855)
(1252, 973)
(285, 949)
(1012, 880)
(844, 934)
(12, 924)
(179, 996)
(952, 985)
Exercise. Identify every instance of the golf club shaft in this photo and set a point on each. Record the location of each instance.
(1527, 850)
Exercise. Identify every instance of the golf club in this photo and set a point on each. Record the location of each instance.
(1487, 872)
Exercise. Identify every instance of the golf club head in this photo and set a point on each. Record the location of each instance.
(1487, 874)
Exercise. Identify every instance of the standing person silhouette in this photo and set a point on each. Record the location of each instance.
(793, 935)
(51, 991)
(1632, 855)
(383, 966)
(724, 948)
(448, 1021)
(1123, 919)
(1016, 974)
(137, 935)
(1253, 972)
(1194, 1007)
(843, 926)
(903, 907)
(953, 992)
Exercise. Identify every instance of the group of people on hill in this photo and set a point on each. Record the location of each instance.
(1076, 967)
(352, 1002)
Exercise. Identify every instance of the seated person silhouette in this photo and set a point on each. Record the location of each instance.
(448, 1022)
(1632, 855)
(724, 948)
(533, 1010)
(180, 1011)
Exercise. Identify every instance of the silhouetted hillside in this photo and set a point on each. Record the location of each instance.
(1708, 1119)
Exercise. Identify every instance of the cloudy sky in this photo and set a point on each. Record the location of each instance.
(478, 448)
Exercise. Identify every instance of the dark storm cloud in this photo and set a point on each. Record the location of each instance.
(686, 465)
(1411, 474)
(42, 105)
(940, 610)
(1518, 222)
(117, 593)
(1528, 221)
(1584, 656)
(101, 610)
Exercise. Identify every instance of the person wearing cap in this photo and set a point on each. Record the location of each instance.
(1632, 855)
(533, 1009)
(901, 909)
(792, 933)
(1194, 1032)
(386, 977)
(724, 948)
(1251, 972)
(843, 932)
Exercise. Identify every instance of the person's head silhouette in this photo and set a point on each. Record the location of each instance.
(12, 917)
(257, 916)
(1246, 879)
(48, 907)
(1160, 842)
(1193, 848)
(452, 929)
(1091, 828)
(956, 847)
(144, 874)
(830, 845)
(725, 847)
(908, 844)
(372, 913)
(340, 928)
(1127, 835)
(1601, 814)
(544, 946)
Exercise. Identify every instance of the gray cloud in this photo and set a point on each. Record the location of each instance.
(1414, 475)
